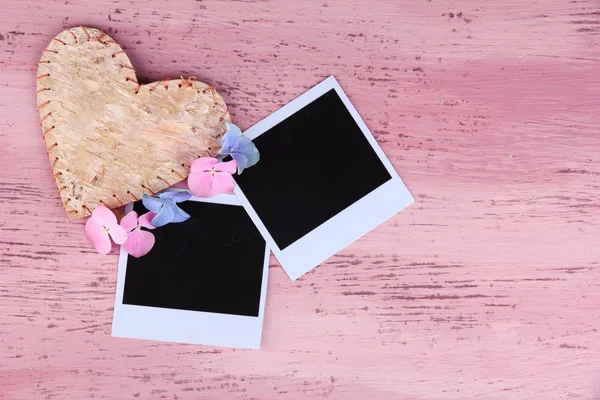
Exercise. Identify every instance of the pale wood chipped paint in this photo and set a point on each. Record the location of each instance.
(109, 139)
(487, 288)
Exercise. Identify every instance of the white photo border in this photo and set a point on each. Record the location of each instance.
(348, 225)
(184, 326)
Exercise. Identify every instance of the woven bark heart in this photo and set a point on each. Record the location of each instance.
(110, 139)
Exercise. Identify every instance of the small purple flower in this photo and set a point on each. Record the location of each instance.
(165, 207)
(239, 147)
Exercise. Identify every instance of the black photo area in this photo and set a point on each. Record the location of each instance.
(312, 166)
(212, 262)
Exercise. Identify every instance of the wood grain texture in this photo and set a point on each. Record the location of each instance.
(110, 139)
(486, 288)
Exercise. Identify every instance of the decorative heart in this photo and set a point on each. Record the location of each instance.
(110, 139)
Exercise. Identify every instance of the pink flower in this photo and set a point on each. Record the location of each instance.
(138, 242)
(100, 225)
(209, 177)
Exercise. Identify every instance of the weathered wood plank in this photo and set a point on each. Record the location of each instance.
(486, 288)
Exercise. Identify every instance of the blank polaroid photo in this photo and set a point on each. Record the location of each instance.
(203, 282)
(322, 180)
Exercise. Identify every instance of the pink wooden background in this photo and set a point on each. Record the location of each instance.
(486, 288)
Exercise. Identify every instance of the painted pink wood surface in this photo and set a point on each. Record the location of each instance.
(486, 288)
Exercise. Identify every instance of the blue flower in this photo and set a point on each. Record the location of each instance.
(165, 207)
(239, 147)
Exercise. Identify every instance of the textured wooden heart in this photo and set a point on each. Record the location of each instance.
(110, 139)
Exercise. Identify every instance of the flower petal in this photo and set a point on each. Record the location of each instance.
(233, 130)
(228, 166)
(118, 234)
(104, 216)
(163, 217)
(130, 221)
(200, 184)
(245, 147)
(95, 233)
(203, 164)
(139, 243)
(177, 197)
(152, 203)
(180, 215)
(222, 183)
(229, 138)
(146, 220)
(241, 161)
(239, 147)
